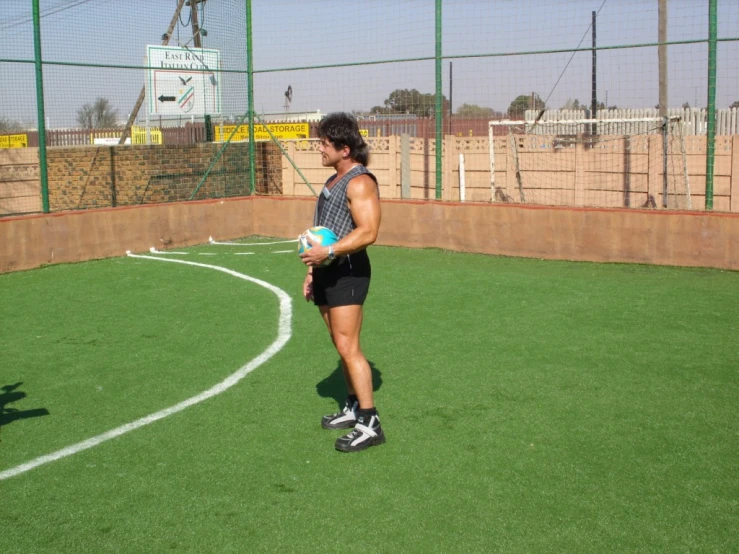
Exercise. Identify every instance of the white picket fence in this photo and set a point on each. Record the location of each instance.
(693, 121)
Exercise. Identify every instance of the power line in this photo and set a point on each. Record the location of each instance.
(50, 11)
(571, 57)
(18, 18)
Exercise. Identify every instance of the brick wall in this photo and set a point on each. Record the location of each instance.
(103, 176)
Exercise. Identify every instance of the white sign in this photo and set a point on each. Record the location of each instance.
(109, 141)
(183, 81)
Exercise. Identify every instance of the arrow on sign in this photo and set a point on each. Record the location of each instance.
(163, 98)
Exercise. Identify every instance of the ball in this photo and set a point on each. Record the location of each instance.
(319, 235)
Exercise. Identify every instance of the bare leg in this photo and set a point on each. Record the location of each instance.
(324, 314)
(345, 324)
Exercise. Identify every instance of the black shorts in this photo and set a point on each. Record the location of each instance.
(344, 283)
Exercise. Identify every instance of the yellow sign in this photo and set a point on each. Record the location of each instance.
(14, 141)
(364, 132)
(279, 130)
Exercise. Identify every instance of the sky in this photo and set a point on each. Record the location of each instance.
(480, 39)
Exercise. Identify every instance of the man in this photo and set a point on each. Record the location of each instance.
(349, 205)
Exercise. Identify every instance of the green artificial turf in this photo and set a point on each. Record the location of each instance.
(530, 406)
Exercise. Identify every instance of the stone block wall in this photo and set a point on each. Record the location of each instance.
(108, 176)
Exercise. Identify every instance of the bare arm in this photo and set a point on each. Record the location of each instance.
(364, 205)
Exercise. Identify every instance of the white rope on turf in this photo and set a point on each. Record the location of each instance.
(283, 335)
(211, 241)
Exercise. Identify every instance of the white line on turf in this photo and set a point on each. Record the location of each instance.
(282, 252)
(211, 241)
(155, 251)
(283, 335)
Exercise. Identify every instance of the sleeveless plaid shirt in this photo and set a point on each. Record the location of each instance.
(335, 213)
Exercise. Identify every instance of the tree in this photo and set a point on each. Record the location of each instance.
(576, 105)
(9, 126)
(473, 110)
(404, 101)
(380, 110)
(573, 105)
(98, 115)
(524, 102)
(735, 104)
(602, 106)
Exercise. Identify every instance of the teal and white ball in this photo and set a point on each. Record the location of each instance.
(319, 235)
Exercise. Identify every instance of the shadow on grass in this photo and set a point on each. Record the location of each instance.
(334, 385)
(9, 415)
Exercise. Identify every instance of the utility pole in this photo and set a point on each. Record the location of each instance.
(594, 83)
(451, 82)
(198, 43)
(165, 40)
(662, 56)
(195, 25)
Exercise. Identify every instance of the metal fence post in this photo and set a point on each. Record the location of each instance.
(44, 176)
(250, 94)
(711, 116)
(439, 115)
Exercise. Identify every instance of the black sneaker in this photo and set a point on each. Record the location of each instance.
(367, 432)
(344, 419)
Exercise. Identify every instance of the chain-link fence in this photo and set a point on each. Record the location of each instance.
(580, 103)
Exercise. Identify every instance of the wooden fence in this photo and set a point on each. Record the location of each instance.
(690, 121)
(190, 133)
